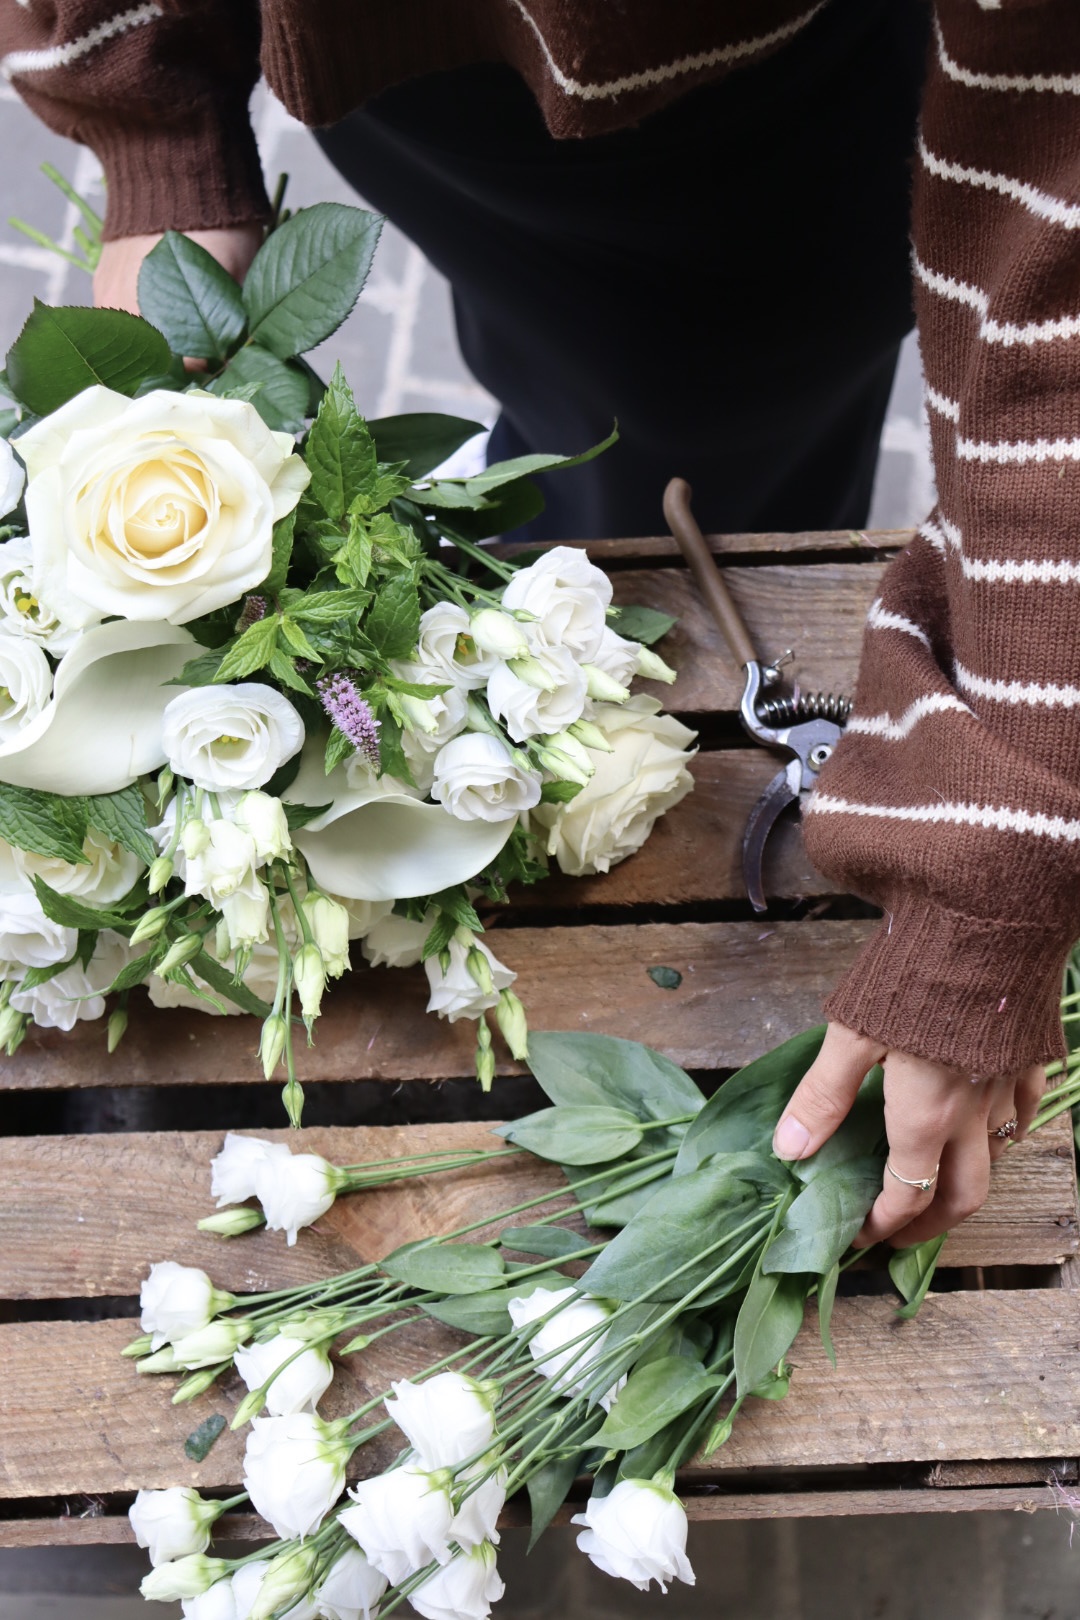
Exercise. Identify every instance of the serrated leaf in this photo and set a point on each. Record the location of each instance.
(339, 450)
(43, 823)
(122, 817)
(307, 276)
(392, 757)
(284, 670)
(221, 980)
(284, 530)
(559, 792)
(200, 671)
(442, 932)
(421, 440)
(338, 749)
(297, 640)
(325, 607)
(644, 624)
(447, 1268)
(135, 971)
(69, 912)
(191, 298)
(277, 388)
(353, 562)
(393, 622)
(60, 352)
(252, 651)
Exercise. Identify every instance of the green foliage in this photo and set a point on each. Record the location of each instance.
(62, 351)
(506, 472)
(421, 440)
(308, 275)
(69, 912)
(744, 1112)
(450, 1268)
(822, 1221)
(340, 450)
(550, 1242)
(121, 816)
(43, 823)
(251, 651)
(769, 1318)
(603, 1071)
(393, 623)
(190, 298)
(588, 1135)
(278, 389)
(912, 1271)
(644, 624)
(654, 1394)
(826, 1299)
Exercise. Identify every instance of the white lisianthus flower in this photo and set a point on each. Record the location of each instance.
(77, 993)
(446, 648)
(401, 1520)
(616, 657)
(154, 508)
(232, 1171)
(476, 780)
(183, 1578)
(567, 1347)
(172, 1523)
(245, 1586)
(230, 736)
(299, 1386)
(295, 1189)
(176, 1300)
(464, 1590)
(446, 1419)
(637, 1533)
(294, 1471)
(396, 942)
(223, 865)
(219, 1603)
(12, 479)
(263, 816)
(351, 1590)
(28, 938)
(645, 774)
(528, 708)
(25, 684)
(105, 876)
(568, 595)
(478, 1512)
(22, 613)
(362, 916)
(246, 915)
(332, 922)
(454, 992)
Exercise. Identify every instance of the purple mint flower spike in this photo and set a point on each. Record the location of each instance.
(351, 714)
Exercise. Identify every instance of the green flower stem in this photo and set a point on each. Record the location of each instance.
(494, 565)
(359, 1181)
(470, 1155)
(301, 914)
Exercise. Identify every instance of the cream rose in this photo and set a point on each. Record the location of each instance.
(643, 776)
(21, 612)
(25, 685)
(154, 508)
(230, 737)
(476, 780)
(12, 479)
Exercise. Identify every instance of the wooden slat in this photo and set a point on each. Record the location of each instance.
(975, 1375)
(745, 986)
(84, 1216)
(662, 548)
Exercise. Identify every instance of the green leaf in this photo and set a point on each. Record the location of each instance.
(421, 439)
(307, 276)
(221, 980)
(826, 1298)
(279, 388)
(43, 823)
(189, 297)
(252, 651)
(765, 1329)
(651, 1398)
(604, 1071)
(860, 1136)
(507, 508)
(821, 1223)
(665, 978)
(338, 749)
(744, 1112)
(912, 1271)
(199, 1441)
(339, 450)
(504, 472)
(450, 496)
(485, 1314)
(644, 624)
(393, 623)
(559, 792)
(353, 562)
(327, 607)
(391, 754)
(589, 1135)
(41, 975)
(447, 1268)
(298, 815)
(284, 530)
(419, 689)
(135, 971)
(297, 640)
(122, 817)
(199, 671)
(284, 670)
(60, 352)
(71, 913)
(550, 1242)
(548, 1489)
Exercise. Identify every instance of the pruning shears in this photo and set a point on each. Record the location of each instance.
(805, 725)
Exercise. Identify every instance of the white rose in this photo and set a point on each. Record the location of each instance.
(645, 774)
(294, 1471)
(28, 938)
(396, 942)
(173, 1523)
(401, 1520)
(177, 1300)
(568, 596)
(76, 993)
(567, 1347)
(22, 613)
(218, 1603)
(295, 1189)
(446, 647)
(230, 736)
(104, 877)
(454, 992)
(154, 508)
(232, 1171)
(263, 816)
(25, 685)
(446, 1419)
(298, 1386)
(464, 1590)
(476, 780)
(638, 1533)
(352, 1588)
(529, 710)
(12, 479)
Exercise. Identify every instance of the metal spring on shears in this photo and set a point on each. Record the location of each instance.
(789, 711)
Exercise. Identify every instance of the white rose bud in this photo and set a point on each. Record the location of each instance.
(498, 633)
(330, 926)
(232, 1171)
(263, 816)
(12, 479)
(446, 1419)
(638, 1533)
(567, 595)
(352, 1588)
(223, 737)
(172, 1524)
(401, 1520)
(294, 1190)
(294, 1471)
(209, 1345)
(177, 1299)
(477, 780)
(298, 1376)
(567, 1347)
(454, 991)
(25, 685)
(464, 1590)
(183, 1578)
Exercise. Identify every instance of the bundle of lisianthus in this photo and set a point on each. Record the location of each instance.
(262, 691)
(612, 1360)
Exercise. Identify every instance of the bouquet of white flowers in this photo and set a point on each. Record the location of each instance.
(263, 692)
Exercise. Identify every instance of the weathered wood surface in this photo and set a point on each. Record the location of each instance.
(662, 547)
(745, 986)
(816, 611)
(975, 1375)
(85, 1216)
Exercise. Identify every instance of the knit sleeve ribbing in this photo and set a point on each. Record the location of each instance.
(953, 800)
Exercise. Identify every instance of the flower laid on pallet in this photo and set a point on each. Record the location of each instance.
(263, 692)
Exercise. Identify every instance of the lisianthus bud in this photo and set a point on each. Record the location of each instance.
(219, 1341)
(590, 735)
(565, 744)
(292, 1100)
(15, 1034)
(479, 969)
(159, 874)
(309, 977)
(141, 1346)
(165, 782)
(264, 818)
(272, 1043)
(418, 714)
(532, 672)
(183, 1578)
(179, 954)
(496, 632)
(232, 1222)
(478, 718)
(485, 1057)
(329, 924)
(11, 1025)
(602, 686)
(197, 1383)
(564, 766)
(149, 925)
(118, 1023)
(173, 1523)
(286, 1580)
(162, 1361)
(510, 1015)
(194, 837)
(653, 668)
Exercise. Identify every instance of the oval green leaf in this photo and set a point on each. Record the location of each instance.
(60, 352)
(447, 1268)
(307, 276)
(568, 1135)
(191, 298)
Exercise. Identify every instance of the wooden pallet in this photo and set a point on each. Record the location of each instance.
(970, 1406)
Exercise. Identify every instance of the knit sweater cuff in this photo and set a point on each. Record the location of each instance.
(976, 995)
(199, 172)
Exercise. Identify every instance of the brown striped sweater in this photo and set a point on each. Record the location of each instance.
(954, 798)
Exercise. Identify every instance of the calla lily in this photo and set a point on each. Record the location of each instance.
(102, 726)
(377, 841)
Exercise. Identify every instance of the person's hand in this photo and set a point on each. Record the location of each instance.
(934, 1118)
(116, 279)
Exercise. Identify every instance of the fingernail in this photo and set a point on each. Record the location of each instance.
(791, 1139)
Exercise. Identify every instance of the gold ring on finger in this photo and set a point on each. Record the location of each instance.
(1006, 1132)
(924, 1183)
